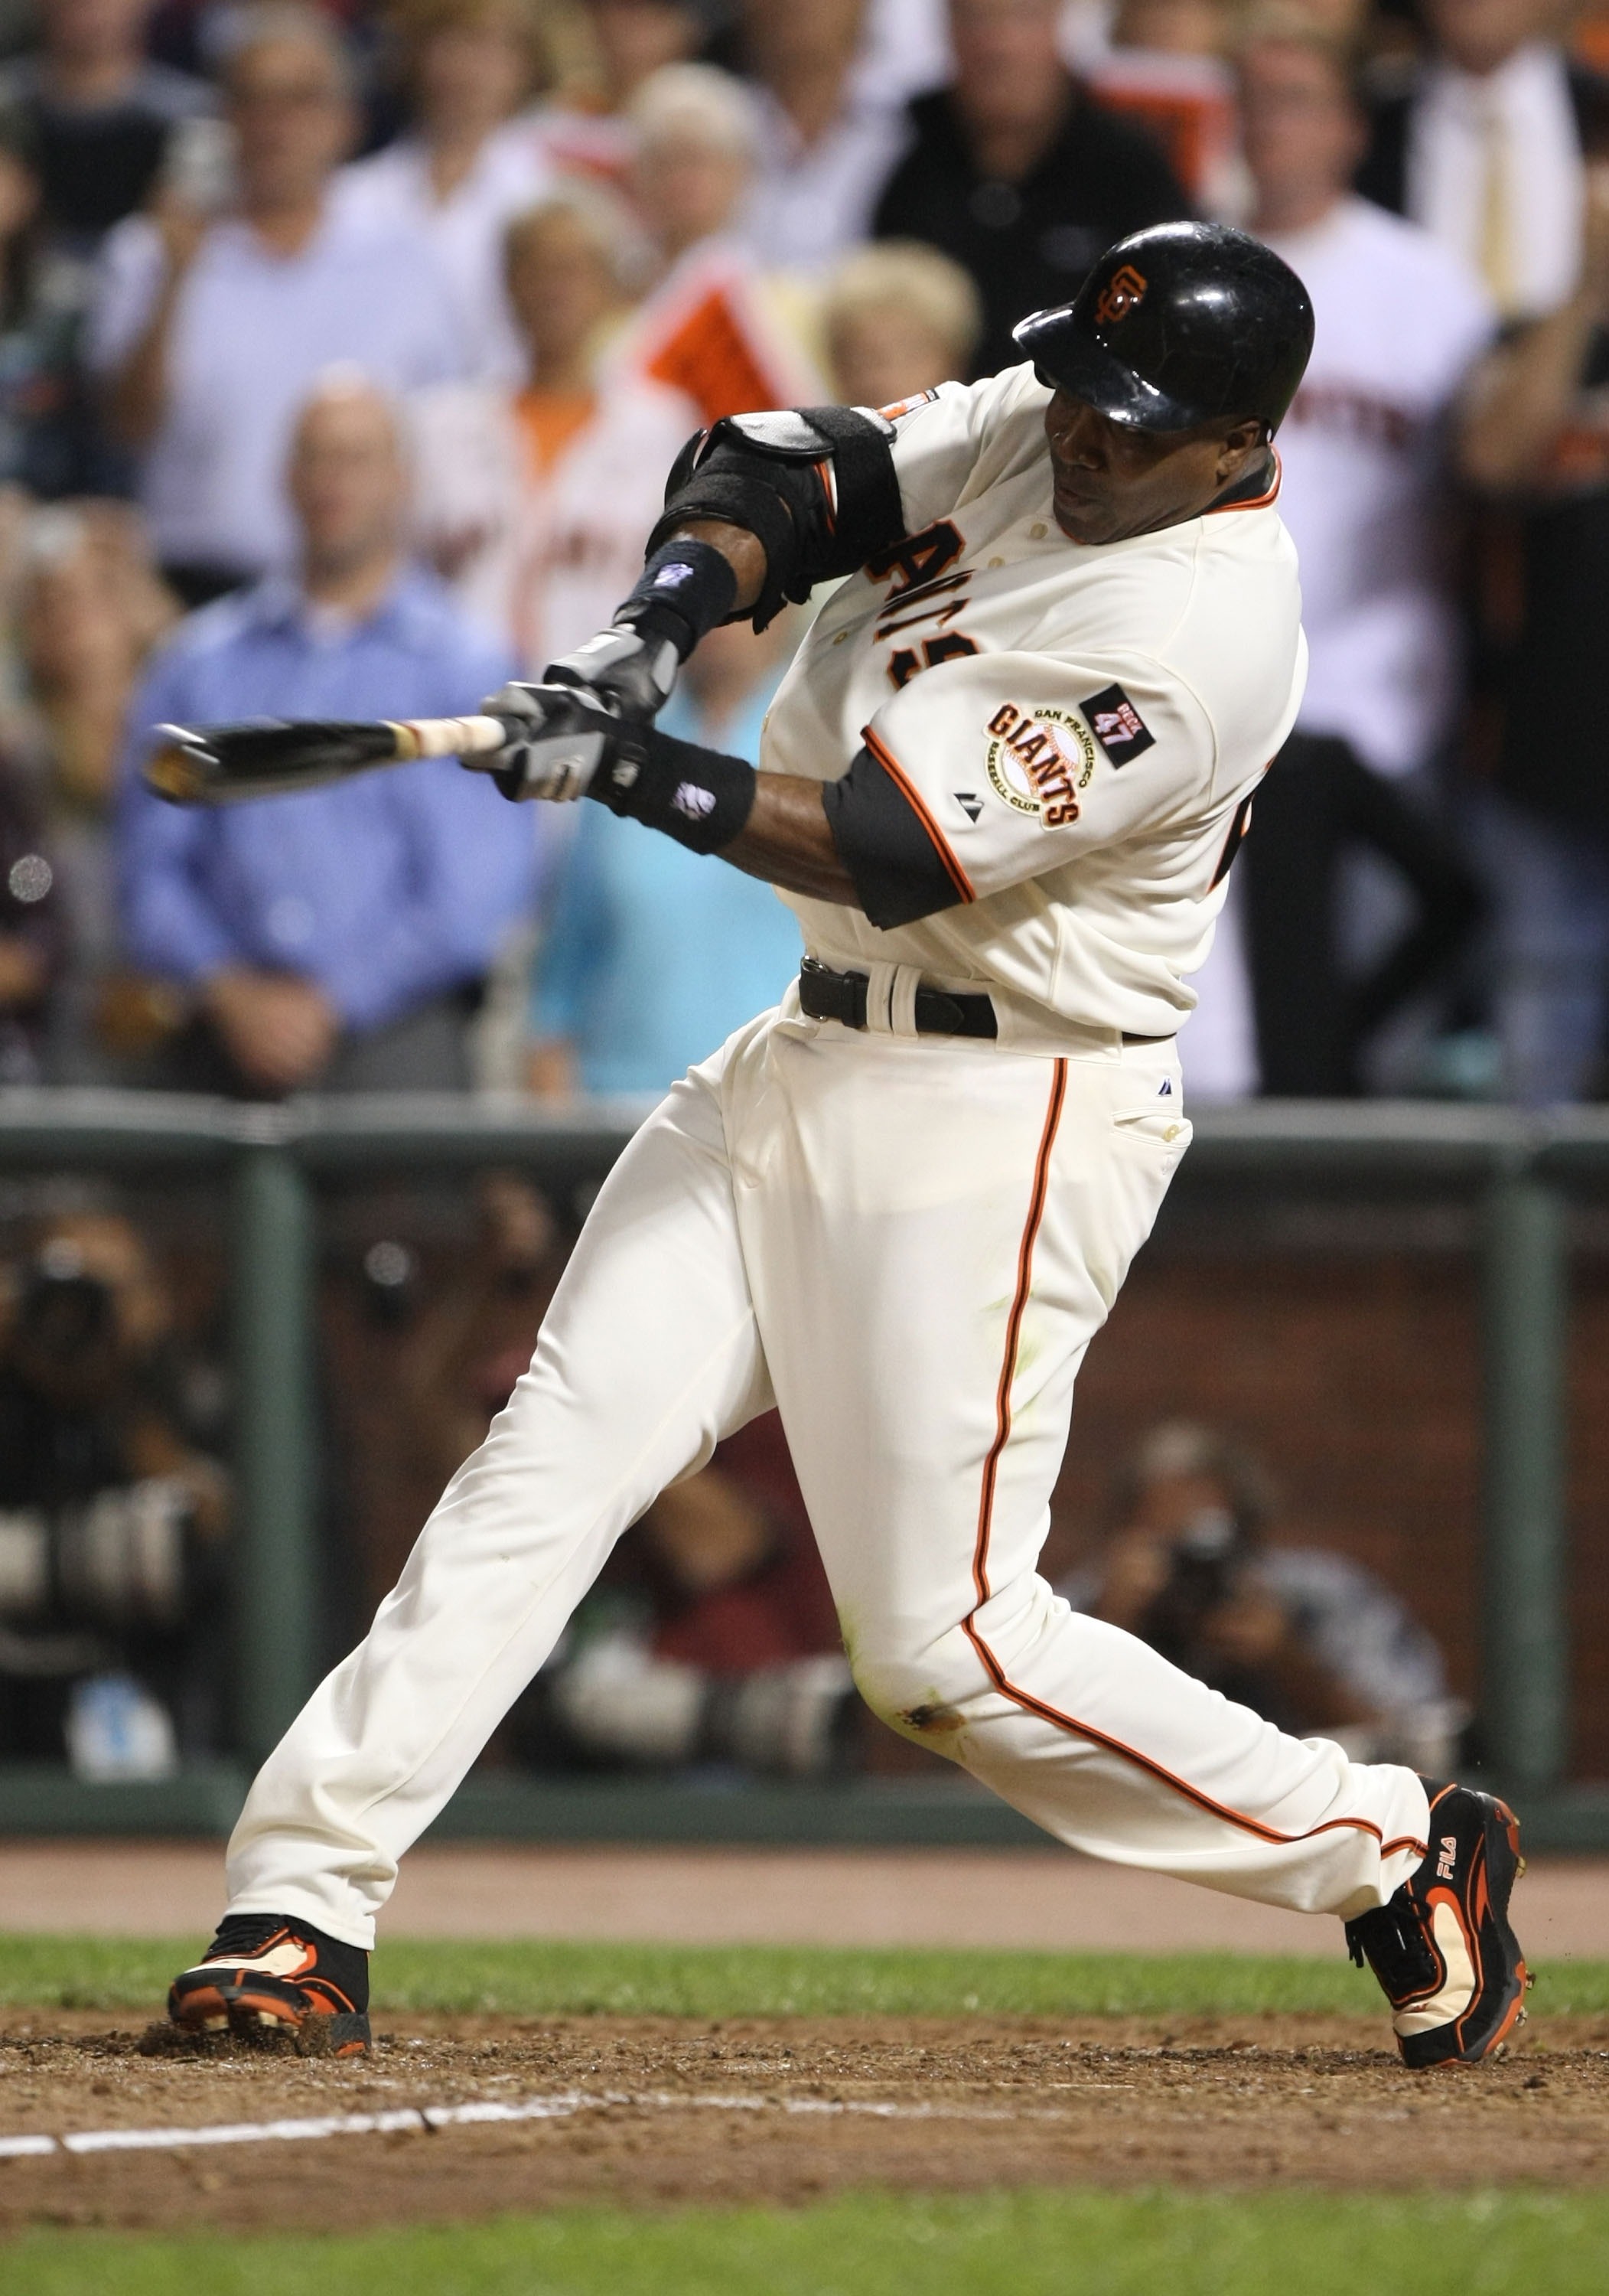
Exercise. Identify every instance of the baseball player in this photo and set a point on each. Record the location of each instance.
(1002, 787)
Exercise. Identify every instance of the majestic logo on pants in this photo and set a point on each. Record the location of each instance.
(1039, 759)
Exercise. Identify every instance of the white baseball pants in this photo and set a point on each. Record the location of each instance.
(908, 1243)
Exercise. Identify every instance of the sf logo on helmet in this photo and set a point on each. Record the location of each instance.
(1120, 295)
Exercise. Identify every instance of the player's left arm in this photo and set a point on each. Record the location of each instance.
(761, 509)
(770, 826)
(988, 771)
(979, 774)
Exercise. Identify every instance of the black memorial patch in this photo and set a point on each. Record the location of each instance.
(1116, 724)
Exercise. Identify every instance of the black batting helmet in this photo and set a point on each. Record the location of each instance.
(1181, 324)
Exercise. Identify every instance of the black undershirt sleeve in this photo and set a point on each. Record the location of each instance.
(885, 846)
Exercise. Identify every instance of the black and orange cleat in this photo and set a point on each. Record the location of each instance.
(264, 1974)
(1442, 1947)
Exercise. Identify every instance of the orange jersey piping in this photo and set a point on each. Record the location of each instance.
(1258, 502)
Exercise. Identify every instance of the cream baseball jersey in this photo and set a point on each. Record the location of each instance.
(1079, 730)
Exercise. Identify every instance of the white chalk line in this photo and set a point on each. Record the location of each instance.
(419, 2120)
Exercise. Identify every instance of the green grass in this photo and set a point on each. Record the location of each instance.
(1031, 2243)
(535, 1978)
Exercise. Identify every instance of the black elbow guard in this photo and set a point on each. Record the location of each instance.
(815, 485)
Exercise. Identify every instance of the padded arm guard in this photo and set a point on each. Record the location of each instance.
(815, 485)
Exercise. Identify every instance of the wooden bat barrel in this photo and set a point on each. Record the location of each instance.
(214, 765)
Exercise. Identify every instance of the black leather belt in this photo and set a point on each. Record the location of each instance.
(829, 996)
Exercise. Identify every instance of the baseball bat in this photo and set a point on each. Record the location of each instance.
(214, 765)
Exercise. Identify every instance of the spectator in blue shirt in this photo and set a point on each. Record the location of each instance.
(651, 959)
(337, 939)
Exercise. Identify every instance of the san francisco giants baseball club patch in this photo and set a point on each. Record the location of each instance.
(1038, 759)
(1117, 725)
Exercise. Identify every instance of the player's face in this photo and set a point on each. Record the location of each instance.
(1113, 481)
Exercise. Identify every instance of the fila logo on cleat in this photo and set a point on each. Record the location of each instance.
(1448, 1860)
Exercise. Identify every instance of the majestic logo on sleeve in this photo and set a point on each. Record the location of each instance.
(1117, 725)
(1039, 759)
(1122, 294)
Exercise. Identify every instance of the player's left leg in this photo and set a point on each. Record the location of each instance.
(935, 1235)
(648, 1355)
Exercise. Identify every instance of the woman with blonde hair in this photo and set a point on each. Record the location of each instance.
(465, 166)
(899, 318)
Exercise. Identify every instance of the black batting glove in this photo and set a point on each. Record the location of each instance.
(686, 588)
(562, 737)
(631, 671)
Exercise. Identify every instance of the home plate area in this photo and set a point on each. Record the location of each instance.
(456, 2118)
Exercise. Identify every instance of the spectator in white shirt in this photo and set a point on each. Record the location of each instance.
(1399, 319)
(829, 138)
(208, 333)
(465, 168)
(536, 502)
(1485, 147)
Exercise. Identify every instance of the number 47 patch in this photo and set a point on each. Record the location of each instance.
(1116, 724)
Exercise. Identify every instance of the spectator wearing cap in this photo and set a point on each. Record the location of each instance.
(209, 334)
(900, 319)
(1535, 442)
(104, 120)
(338, 936)
(1399, 320)
(719, 327)
(829, 134)
(1485, 146)
(466, 167)
(1017, 172)
(536, 502)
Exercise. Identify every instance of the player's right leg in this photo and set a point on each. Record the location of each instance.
(938, 1232)
(647, 1355)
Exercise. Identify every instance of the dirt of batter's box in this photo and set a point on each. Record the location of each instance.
(1204, 2101)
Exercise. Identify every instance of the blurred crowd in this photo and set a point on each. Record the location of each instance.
(343, 352)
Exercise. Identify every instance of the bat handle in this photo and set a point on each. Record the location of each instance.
(446, 737)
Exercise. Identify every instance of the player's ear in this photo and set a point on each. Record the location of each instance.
(1242, 443)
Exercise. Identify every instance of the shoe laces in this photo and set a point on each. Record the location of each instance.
(245, 1934)
(1391, 1937)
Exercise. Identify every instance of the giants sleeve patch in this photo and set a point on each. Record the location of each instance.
(1117, 725)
